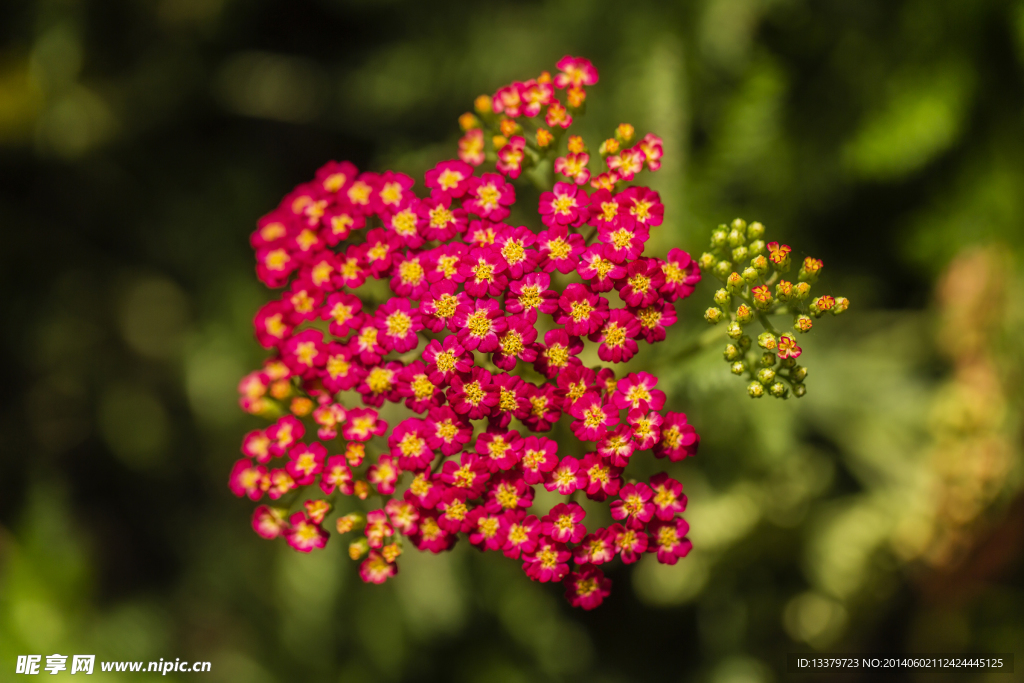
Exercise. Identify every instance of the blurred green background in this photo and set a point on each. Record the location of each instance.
(141, 139)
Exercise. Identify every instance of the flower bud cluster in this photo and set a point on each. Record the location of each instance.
(754, 287)
(458, 344)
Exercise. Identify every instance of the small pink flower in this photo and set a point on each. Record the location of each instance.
(500, 449)
(617, 337)
(600, 270)
(515, 343)
(479, 325)
(441, 221)
(364, 424)
(247, 479)
(557, 353)
(441, 304)
(483, 272)
(636, 391)
(575, 71)
(540, 456)
(471, 147)
(583, 312)
(668, 539)
(336, 474)
(639, 287)
(283, 433)
(532, 295)
(595, 548)
(587, 587)
(679, 440)
(403, 515)
(603, 479)
(450, 177)
(377, 528)
(303, 534)
(305, 461)
(629, 543)
(485, 529)
(474, 395)
(564, 523)
(469, 474)
(508, 491)
(566, 477)
(634, 505)
(617, 446)
(430, 536)
(510, 157)
(574, 166)
(521, 532)
(447, 430)
(513, 244)
(269, 522)
(651, 146)
(593, 418)
(398, 324)
(681, 275)
(490, 197)
(560, 250)
(646, 428)
(375, 569)
(548, 562)
(344, 311)
(409, 442)
(668, 496)
(564, 205)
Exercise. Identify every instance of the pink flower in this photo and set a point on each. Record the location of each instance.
(345, 313)
(603, 479)
(409, 442)
(563, 523)
(668, 539)
(566, 477)
(474, 395)
(583, 312)
(516, 342)
(269, 522)
(532, 295)
(256, 445)
(398, 324)
(617, 446)
(247, 479)
(679, 440)
(629, 543)
(544, 407)
(617, 337)
(469, 474)
(420, 391)
(601, 271)
(668, 496)
(441, 304)
(681, 275)
(510, 157)
(636, 391)
(634, 505)
(521, 534)
(305, 461)
(548, 562)
(430, 536)
(283, 433)
(454, 509)
(639, 288)
(336, 474)
(377, 528)
(595, 548)
(654, 319)
(375, 569)
(564, 205)
(479, 325)
(513, 244)
(557, 353)
(513, 399)
(652, 148)
(485, 529)
(587, 587)
(574, 166)
(534, 96)
(643, 206)
(508, 101)
(303, 534)
(500, 449)
(490, 197)
(471, 147)
(410, 275)
(447, 430)
(646, 428)
(453, 178)
(364, 424)
(559, 250)
(442, 222)
(508, 491)
(540, 456)
(576, 71)
(593, 419)
(403, 515)
(483, 272)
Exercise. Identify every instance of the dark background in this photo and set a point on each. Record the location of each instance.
(139, 142)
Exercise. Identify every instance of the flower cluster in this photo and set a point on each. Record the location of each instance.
(757, 292)
(477, 348)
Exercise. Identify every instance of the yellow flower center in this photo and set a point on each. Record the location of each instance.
(404, 223)
(563, 204)
(440, 217)
(305, 352)
(337, 366)
(474, 394)
(621, 238)
(539, 405)
(581, 310)
(640, 283)
(446, 361)
(559, 248)
(398, 324)
(411, 445)
(449, 179)
(513, 252)
(507, 496)
(479, 324)
(380, 380)
(512, 343)
(530, 296)
(489, 196)
(391, 194)
(422, 387)
(593, 416)
(507, 400)
(614, 335)
(672, 436)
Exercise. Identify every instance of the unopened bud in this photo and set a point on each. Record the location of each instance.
(707, 261)
(391, 551)
(767, 359)
(744, 314)
(483, 104)
(762, 297)
(362, 489)
(499, 141)
(738, 368)
(755, 389)
(508, 127)
(737, 238)
(301, 406)
(544, 137)
(624, 133)
(750, 275)
(803, 323)
(766, 376)
(734, 331)
(358, 548)
(822, 304)
(719, 238)
(784, 290)
(842, 303)
(802, 291)
(778, 390)
(810, 269)
(760, 264)
(732, 353)
(799, 390)
(739, 254)
(281, 389)
(798, 373)
(351, 521)
(755, 230)
(744, 343)
(609, 146)
(766, 340)
(722, 298)
(734, 283)
(756, 248)
(723, 268)
(468, 122)
(714, 315)
(787, 362)
(739, 224)
(355, 452)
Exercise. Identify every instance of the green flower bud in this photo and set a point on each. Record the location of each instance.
(737, 238)
(734, 330)
(732, 353)
(734, 283)
(722, 298)
(778, 390)
(744, 343)
(798, 373)
(760, 264)
(767, 359)
(810, 269)
(356, 549)
(803, 323)
(766, 340)
(750, 275)
(723, 268)
(755, 389)
(739, 224)
(719, 238)
(714, 315)
(842, 303)
(744, 314)
(799, 390)
(707, 261)
(739, 254)
(738, 368)
(766, 376)
(802, 291)
(755, 231)
(788, 362)
(756, 248)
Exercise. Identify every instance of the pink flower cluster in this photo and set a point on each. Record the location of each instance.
(481, 340)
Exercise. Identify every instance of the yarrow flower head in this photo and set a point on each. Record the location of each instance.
(457, 347)
(759, 291)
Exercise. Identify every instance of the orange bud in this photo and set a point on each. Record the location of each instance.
(301, 406)
(545, 77)
(362, 490)
(576, 145)
(281, 389)
(499, 141)
(544, 137)
(624, 132)
(609, 146)
(468, 122)
(576, 96)
(483, 104)
(508, 127)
